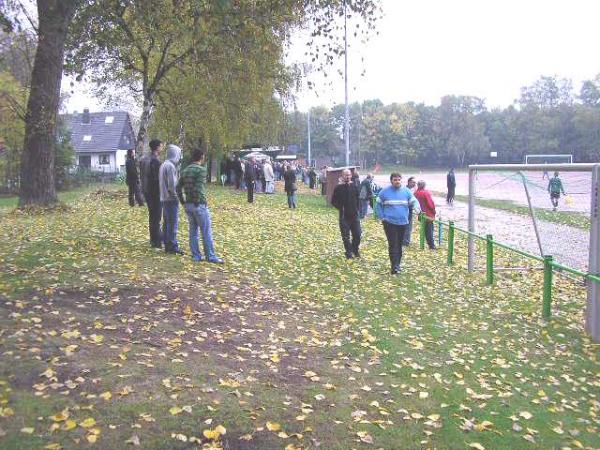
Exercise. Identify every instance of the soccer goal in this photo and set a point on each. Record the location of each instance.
(549, 159)
(514, 208)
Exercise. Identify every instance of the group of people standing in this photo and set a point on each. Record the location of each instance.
(165, 188)
(395, 207)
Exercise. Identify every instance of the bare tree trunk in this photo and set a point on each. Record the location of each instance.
(37, 159)
(142, 136)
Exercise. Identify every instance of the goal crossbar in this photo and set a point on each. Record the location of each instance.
(592, 322)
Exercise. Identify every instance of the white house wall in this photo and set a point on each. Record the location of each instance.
(121, 157)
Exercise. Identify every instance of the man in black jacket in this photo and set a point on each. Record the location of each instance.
(345, 199)
(149, 168)
(249, 178)
(132, 179)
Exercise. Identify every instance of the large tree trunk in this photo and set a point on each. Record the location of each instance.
(142, 137)
(37, 159)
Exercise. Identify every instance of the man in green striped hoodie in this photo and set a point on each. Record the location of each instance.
(192, 183)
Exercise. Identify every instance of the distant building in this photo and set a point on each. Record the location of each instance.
(100, 139)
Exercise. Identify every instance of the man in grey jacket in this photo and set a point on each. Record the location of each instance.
(269, 177)
(168, 177)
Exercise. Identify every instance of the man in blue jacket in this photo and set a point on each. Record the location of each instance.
(392, 208)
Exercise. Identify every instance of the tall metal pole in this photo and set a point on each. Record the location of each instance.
(309, 138)
(347, 111)
(592, 315)
(359, 127)
(471, 258)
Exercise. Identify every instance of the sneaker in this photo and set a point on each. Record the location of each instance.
(175, 252)
(197, 258)
(349, 256)
(216, 261)
(357, 254)
(396, 270)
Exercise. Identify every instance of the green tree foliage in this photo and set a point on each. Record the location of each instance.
(12, 130)
(219, 63)
(461, 131)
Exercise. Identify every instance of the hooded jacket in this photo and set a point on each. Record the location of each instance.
(169, 174)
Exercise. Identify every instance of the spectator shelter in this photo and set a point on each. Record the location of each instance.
(333, 179)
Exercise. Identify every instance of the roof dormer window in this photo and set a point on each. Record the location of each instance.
(109, 119)
(87, 138)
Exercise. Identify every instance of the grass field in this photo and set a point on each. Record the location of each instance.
(109, 344)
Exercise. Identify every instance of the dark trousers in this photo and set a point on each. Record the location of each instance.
(395, 236)
(429, 234)
(250, 190)
(348, 227)
(135, 192)
(154, 216)
(450, 196)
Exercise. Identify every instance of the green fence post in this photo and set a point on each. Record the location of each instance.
(450, 243)
(547, 287)
(440, 232)
(490, 258)
(422, 231)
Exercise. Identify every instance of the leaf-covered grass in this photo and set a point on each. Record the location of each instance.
(288, 345)
(8, 203)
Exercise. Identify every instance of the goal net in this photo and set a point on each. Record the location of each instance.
(536, 212)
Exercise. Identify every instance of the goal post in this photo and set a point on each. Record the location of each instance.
(550, 158)
(592, 323)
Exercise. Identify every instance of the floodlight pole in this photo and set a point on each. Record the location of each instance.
(471, 259)
(592, 317)
(309, 137)
(346, 110)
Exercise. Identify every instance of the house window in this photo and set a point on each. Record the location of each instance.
(87, 138)
(104, 160)
(109, 119)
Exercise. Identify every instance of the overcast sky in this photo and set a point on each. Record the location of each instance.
(486, 48)
(430, 48)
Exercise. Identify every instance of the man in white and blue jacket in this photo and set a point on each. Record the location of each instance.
(392, 208)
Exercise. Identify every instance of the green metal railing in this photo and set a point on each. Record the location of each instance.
(549, 265)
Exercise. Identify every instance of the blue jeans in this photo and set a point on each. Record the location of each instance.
(363, 208)
(170, 225)
(291, 199)
(199, 217)
(408, 230)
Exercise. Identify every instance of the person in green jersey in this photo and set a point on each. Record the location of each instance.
(555, 188)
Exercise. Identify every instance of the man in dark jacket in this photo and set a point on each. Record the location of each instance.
(237, 172)
(249, 178)
(132, 179)
(365, 195)
(451, 185)
(345, 199)
(149, 168)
